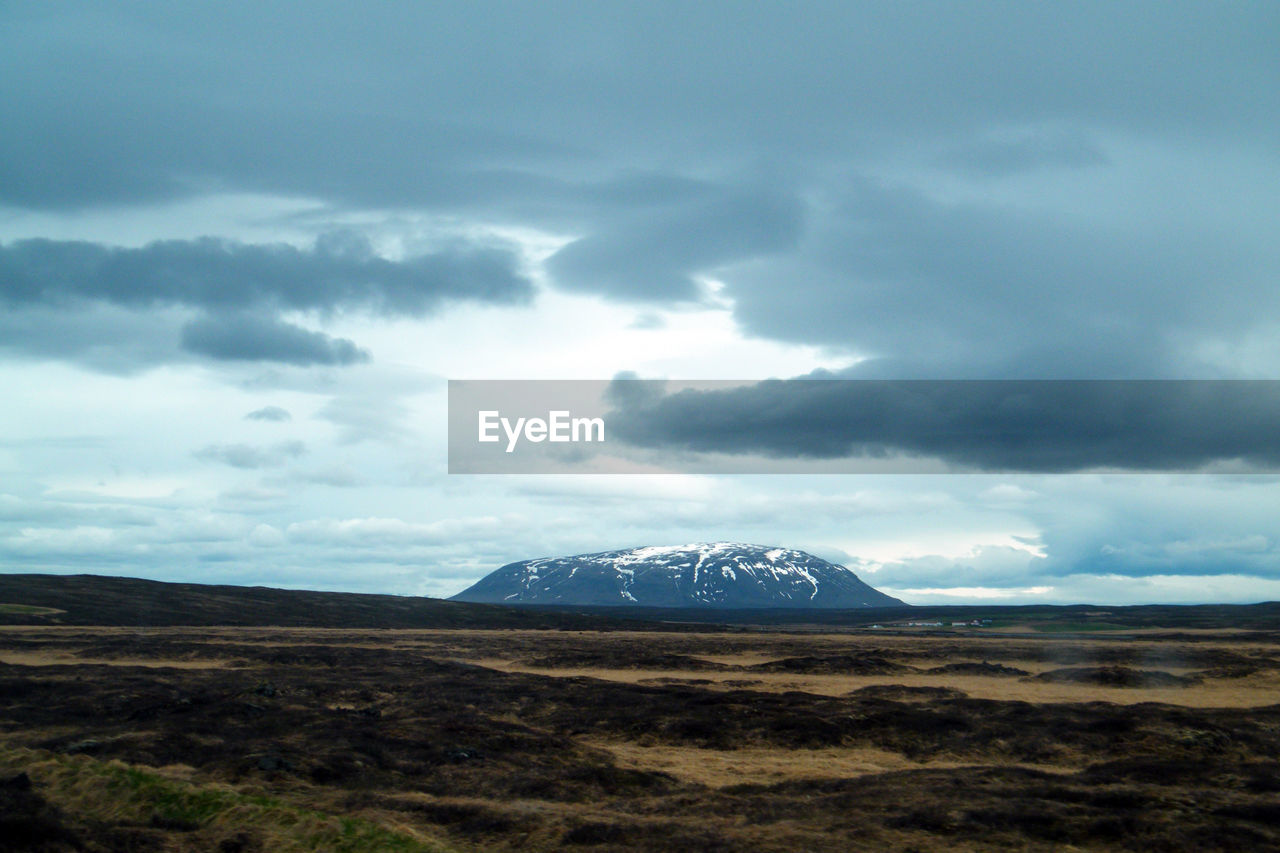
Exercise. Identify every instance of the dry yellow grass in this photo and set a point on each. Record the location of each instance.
(1251, 692)
(478, 646)
(19, 658)
(718, 768)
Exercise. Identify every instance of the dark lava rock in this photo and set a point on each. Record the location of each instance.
(969, 668)
(274, 763)
(835, 665)
(1114, 676)
(20, 782)
(29, 822)
(904, 693)
(87, 747)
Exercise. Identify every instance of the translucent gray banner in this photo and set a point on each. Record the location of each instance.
(807, 426)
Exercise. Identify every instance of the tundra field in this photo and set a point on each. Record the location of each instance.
(774, 739)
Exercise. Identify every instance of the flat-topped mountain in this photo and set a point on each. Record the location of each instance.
(719, 574)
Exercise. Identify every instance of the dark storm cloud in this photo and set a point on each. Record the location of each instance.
(242, 337)
(269, 413)
(474, 102)
(339, 271)
(673, 139)
(1035, 426)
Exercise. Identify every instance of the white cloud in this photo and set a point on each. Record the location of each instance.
(972, 594)
(266, 536)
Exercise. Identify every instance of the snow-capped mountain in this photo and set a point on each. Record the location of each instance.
(719, 574)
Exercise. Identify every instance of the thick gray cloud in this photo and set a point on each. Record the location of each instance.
(106, 338)
(340, 271)
(1038, 426)
(239, 287)
(674, 139)
(243, 337)
(464, 103)
(996, 290)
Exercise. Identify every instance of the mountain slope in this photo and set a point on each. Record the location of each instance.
(720, 574)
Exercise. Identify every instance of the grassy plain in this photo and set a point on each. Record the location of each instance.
(776, 739)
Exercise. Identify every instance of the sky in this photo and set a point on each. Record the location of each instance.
(244, 246)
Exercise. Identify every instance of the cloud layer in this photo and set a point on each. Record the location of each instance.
(210, 210)
(1001, 425)
(239, 289)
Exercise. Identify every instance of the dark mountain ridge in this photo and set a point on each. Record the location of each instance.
(34, 599)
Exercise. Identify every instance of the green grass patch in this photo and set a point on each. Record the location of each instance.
(29, 609)
(116, 793)
(1077, 627)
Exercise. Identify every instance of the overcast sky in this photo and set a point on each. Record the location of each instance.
(244, 245)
